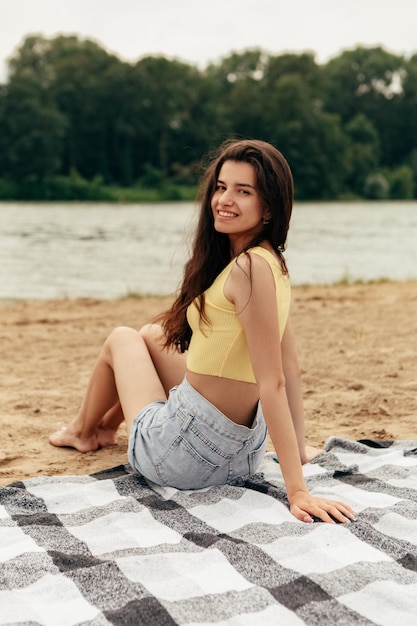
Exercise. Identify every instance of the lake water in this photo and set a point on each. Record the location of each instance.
(59, 250)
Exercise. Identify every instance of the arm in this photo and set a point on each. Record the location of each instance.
(255, 303)
(292, 375)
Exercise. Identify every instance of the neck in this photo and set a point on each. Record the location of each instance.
(237, 247)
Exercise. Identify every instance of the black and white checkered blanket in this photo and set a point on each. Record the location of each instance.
(111, 549)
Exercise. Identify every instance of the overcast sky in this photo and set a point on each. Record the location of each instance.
(199, 32)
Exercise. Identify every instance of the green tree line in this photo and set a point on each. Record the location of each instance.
(79, 123)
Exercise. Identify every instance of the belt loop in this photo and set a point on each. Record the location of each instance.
(186, 419)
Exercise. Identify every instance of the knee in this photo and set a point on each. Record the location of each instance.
(121, 331)
(151, 333)
(119, 335)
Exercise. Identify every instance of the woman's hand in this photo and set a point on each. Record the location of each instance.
(306, 507)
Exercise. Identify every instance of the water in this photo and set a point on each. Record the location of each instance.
(331, 242)
(107, 251)
(100, 250)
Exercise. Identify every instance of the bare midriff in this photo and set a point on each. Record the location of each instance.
(236, 399)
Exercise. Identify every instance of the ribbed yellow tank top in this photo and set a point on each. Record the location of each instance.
(219, 348)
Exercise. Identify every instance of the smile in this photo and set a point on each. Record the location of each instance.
(226, 214)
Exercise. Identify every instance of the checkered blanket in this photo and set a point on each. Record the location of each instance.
(112, 549)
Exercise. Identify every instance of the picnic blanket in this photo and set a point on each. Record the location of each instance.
(110, 548)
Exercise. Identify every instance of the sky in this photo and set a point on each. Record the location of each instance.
(202, 32)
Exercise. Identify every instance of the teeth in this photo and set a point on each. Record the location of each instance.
(226, 214)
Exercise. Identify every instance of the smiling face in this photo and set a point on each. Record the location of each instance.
(236, 204)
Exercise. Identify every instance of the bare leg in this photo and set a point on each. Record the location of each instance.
(100, 400)
(132, 371)
(109, 425)
(169, 363)
(170, 366)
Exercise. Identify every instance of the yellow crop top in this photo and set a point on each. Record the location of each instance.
(219, 348)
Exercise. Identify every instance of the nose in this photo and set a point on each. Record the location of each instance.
(226, 198)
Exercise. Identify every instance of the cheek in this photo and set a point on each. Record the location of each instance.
(214, 200)
(257, 214)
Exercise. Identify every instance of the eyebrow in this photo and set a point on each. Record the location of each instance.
(237, 184)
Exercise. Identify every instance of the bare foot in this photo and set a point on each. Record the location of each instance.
(67, 438)
(310, 453)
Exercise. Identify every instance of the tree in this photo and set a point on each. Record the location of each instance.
(71, 109)
(311, 139)
(358, 79)
(237, 88)
(368, 81)
(168, 93)
(363, 152)
(409, 118)
(303, 65)
(60, 83)
(33, 127)
(80, 88)
(401, 185)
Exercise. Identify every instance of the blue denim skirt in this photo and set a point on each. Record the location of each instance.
(187, 443)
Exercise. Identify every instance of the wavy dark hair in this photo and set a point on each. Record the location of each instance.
(211, 250)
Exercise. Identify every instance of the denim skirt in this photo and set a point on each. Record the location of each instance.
(187, 443)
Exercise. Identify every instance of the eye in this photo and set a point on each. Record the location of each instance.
(220, 187)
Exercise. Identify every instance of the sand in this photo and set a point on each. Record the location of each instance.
(357, 345)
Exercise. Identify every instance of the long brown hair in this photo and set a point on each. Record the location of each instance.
(211, 250)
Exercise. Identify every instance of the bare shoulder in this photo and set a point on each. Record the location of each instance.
(250, 275)
(251, 266)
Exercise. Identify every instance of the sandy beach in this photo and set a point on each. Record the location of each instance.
(357, 348)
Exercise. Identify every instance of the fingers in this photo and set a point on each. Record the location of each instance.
(342, 513)
(320, 509)
(309, 518)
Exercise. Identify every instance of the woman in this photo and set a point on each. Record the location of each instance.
(200, 391)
